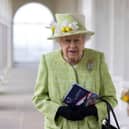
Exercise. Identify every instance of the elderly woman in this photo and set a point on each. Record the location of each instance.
(73, 63)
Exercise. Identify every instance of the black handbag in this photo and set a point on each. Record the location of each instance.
(107, 122)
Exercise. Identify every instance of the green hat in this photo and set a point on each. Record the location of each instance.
(68, 24)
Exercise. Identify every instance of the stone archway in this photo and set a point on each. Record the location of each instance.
(29, 32)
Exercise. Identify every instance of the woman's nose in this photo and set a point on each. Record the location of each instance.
(72, 43)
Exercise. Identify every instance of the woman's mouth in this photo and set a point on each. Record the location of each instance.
(72, 51)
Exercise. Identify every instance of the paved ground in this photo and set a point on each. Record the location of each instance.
(16, 109)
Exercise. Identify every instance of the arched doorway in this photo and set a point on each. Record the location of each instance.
(30, 33)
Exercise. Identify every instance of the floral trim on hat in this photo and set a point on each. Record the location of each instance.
(64, 27)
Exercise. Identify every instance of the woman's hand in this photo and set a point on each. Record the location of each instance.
(75, 113)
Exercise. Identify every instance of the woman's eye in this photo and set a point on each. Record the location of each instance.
(68, 40)
(76, 40)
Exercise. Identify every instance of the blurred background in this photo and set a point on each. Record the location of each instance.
(23, 39)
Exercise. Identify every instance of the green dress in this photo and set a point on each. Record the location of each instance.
(54, 79)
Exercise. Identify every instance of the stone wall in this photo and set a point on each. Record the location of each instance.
(5, 33)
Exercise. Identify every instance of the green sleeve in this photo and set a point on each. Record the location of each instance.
(107, 89)
(41, 98)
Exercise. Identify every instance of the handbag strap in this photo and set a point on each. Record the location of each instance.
(108, 111)
(109, 108)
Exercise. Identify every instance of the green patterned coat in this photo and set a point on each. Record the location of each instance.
(54, 79)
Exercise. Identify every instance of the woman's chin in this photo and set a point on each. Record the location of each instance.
(73, 60)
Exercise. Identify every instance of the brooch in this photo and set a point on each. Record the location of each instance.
(90, 65)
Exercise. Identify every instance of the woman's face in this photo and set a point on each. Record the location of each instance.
(72, 47)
